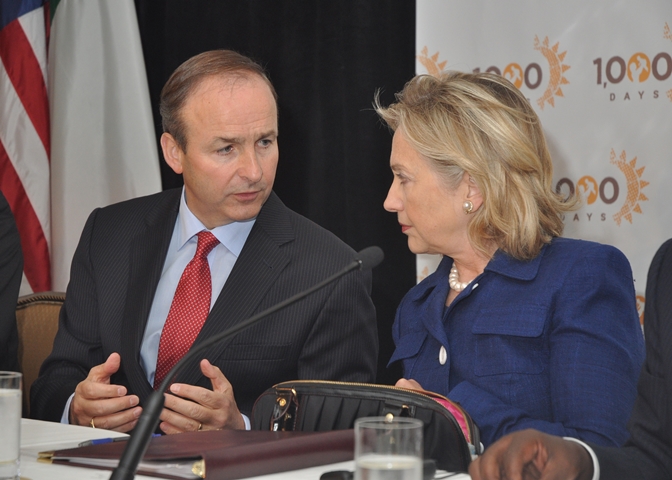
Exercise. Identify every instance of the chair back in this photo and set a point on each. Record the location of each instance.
(37, 322)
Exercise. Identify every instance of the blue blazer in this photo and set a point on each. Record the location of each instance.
(553, 344)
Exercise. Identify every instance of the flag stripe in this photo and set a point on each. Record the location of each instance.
(36, 264)
(35, 25)
(25, 74)
(24, 150)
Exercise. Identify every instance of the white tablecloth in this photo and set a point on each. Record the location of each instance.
(38, 436)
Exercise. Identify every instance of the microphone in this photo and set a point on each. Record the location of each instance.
(137, 444)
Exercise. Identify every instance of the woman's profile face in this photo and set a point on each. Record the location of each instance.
(429, 212)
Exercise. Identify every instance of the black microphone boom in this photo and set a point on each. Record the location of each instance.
(136, 446)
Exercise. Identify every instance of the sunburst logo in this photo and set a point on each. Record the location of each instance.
(431, 64)
(634, 185)
(557, 71)
(520, 76)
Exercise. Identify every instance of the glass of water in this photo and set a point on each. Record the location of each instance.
(388, 448)
(10, 419)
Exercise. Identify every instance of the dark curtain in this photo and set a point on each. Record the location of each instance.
(326, 60)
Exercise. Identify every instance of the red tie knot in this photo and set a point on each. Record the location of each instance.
(206, 242)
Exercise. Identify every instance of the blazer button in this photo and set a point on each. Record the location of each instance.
(443, 355)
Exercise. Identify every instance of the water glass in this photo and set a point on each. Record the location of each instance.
(388, 448)
(10, 419)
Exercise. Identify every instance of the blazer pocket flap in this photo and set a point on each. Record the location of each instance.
(409, 346)
(526, 321)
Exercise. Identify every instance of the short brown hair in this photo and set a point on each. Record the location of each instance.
(480, 123)
(191, 73)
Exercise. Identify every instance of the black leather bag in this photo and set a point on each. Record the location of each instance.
(309, 405)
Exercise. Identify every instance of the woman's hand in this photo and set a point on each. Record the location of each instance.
(410, 384)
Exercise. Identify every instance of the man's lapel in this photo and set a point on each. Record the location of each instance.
(147, 255)
(258, 267)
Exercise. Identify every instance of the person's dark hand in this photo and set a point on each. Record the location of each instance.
(190, 408)
(532, 455)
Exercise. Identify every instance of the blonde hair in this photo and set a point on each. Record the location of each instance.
(481, 124)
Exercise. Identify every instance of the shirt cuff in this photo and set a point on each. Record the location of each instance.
(596, 464)
(248, 426)
(65, 418)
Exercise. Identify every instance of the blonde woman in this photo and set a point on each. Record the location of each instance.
(523, 328)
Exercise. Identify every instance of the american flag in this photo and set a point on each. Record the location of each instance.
(97, 144)
(24, 131)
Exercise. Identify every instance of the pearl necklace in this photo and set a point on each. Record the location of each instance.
(454, 280)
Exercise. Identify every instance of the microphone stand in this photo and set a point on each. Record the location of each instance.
(148, 421)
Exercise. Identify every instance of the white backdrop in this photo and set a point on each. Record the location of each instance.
(599, 75)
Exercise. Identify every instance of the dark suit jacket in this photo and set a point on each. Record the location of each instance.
(115, 271)
(648, 453)
(11, 269)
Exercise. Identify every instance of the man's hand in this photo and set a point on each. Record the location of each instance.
(410, 384)
(107, 405)
(191, 408)
(532, 455)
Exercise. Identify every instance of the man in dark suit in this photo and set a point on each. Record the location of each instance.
(219, 115)
(647, 454)
(11, 270)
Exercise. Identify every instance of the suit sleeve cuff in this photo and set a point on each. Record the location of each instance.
(596, 463)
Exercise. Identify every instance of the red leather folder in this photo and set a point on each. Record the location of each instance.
(220, 454)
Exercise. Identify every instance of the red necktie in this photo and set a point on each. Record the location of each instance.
(189, 309)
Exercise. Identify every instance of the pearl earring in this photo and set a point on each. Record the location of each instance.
(468, 207)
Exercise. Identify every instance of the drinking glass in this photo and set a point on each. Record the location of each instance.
(10, 419)
(388, 448)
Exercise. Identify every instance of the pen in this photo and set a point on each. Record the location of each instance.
(101, 441)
